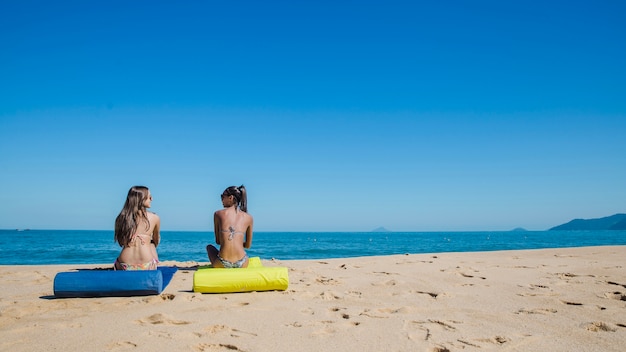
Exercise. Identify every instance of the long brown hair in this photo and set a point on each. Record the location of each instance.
(132, 214)
(240, 196)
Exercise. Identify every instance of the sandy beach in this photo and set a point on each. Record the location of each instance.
(571, 299)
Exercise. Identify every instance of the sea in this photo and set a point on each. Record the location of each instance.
(43, 247)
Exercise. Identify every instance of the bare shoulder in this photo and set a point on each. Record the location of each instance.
(153, 216)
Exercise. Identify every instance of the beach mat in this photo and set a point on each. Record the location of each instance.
(255, 277)
(112, 283)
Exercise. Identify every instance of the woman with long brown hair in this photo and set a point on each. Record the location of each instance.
(137, 232)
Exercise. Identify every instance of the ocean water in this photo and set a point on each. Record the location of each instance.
(40, 247)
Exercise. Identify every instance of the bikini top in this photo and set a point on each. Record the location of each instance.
(231, 232)
(141, 238)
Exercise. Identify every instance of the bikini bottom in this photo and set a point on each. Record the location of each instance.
(230, 265)
(151, 265)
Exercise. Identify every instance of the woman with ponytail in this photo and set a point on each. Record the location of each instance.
(233, 230)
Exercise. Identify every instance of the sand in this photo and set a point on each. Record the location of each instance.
(571, 299)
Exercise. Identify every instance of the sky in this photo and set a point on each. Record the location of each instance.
(335, 115)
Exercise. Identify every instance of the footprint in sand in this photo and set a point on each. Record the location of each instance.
(161, 297)
(342, 313)
(167, 296)
(354, 294)
(326, 281)
(568, 276)
(434, 323)
(368, 313)
(496, 340)
(615, 283)
(223, 329)
(616, 295)
(533, 294)
(329, 296)
(415, 331)
(467, 343)
(431, 294)
(157, 319)
(326, 329)
(470, 276)
(308, 311)
(445, 325)
(214, 329)
(385, 283)
(121, 345)
(401, 310)
(569, 303)
(193, 297)
(208, 347)
(439, 349)
(536, 311)
(383, 273)
(598, 326)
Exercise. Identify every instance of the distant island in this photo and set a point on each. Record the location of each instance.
(613, 222)
(380, 229)
(519, 229)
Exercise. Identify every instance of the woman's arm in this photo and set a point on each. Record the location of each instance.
(216, 227)
(248, 241)
(156, 233)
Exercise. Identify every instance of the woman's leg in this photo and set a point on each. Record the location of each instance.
(212, 252)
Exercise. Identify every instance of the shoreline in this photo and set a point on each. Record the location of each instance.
(559, 299)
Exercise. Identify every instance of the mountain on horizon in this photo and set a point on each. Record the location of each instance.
(380, 229)
(613, 222)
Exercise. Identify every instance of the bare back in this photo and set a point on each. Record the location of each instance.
(233, 232)
(142, 246)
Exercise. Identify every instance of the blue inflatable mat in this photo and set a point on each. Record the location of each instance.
(111, 283)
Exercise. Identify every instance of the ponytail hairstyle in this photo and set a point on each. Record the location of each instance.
(239, 193)
(132, 214)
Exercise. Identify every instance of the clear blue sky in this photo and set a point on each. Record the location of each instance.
(337, 116)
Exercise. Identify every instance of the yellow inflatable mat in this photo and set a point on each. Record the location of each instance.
(255, 277)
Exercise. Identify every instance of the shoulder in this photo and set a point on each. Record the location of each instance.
(153, 216)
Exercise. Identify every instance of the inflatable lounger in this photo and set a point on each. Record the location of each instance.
(112, 283)
(255, 277)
